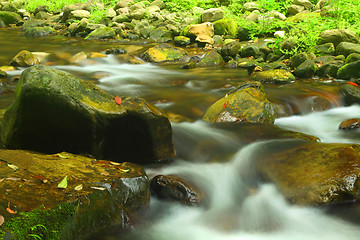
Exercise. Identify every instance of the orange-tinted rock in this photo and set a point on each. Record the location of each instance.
(350, 124)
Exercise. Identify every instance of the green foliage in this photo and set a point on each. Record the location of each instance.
(187, 5)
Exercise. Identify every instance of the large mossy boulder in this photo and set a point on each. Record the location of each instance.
(346, 48)
(101, 33)
(246, 104)
(9, 17)
(337, 36)
(163, 53)
(24, 59)
(351, 70)
(276, 76)
(54, 111)
(226, 26)
(314, 173)
(97, 196)
(306, 69)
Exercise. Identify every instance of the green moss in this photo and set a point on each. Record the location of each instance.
(46, 224)
(226, 26)
(9, 17)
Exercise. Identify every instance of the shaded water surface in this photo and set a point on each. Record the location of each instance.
(218, 159)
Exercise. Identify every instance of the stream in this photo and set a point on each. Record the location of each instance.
(218, 159)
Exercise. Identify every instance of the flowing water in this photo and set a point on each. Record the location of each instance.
(220, 159)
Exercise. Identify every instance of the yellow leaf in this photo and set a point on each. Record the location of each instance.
(99, 188)
(125, 170)
(115, 163)
(63, 183)
(12, 166)
(78, 187)
(62, 156)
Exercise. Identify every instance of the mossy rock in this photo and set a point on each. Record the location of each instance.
(101, 33)
(350, 70)
(329, 69)
(306, 69)
(300, 17)
(226, 26)
(246, 104)
(337, 36)
(350, 94)
(39, 31)
(276, 76)
(9, 17)
(24, 59)
(211, 58)
(298, 59)
(346, 48)
(98, 195)
(314, 173)
(182, 41)
(353, 57)
(163, 53)
(55, 111)
(161, 35)
(324, 49)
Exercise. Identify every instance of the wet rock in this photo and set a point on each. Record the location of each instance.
(55, 111)
(101, 33)
(24, 59)
(298, 59)
(314, 173)
(306, 70)
(39, 31)
(346, 48)
(350, 124)
(211, 58)
(353, 57)
(99, 196)
(9, 17)
(212, 15)
(276, 76)
(250, 51)
(201, 32)
(115, 51)
(350, 70)
(324, 49)
(163, 53)
(182, 41)
(246, 104)
(226, 26)
(175, 189)
(161, 35)
(350, 94)
(231, 49)
(337, 36)
(329, 69)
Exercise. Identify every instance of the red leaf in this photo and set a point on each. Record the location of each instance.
(225, 104)
(118, 100)
(39, 177)
(352, 83)
(9, 210)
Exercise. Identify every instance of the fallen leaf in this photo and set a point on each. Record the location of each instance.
(115, 163)
(13, 179)
(118, 100)
(104, 174)
(2, 179)
(78, 187)
(2, 220)
(39, 177)
(352, 83)
(102, 162)
(63, 183)
(9, 210)
(13, 167)
(225, 104)
(99, 188)
(124, 170)
(62, 156)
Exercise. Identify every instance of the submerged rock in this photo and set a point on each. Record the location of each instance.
(97, 195)
(54, 111)
(175, 189)
(24, 59)
(246, 104)
(315, 173)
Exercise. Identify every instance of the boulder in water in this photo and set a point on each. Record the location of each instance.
(24, 59)
(306, 69)
(350, 124)
(315, 173)
(350, 93)
(9, 17)
(175, 189)
(101, 33)
(246, 104)
(54, 111)
(163, 53)
(95, 196)
(39, 31)
(276, 76)
(211, 58)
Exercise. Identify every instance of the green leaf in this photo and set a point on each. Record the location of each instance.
(63, 183)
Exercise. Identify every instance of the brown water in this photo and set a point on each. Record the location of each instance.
(185, 95)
